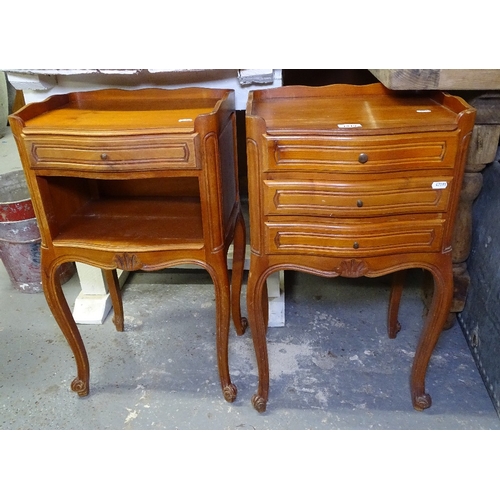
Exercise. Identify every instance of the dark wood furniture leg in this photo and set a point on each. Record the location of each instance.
(239, 244)
(434, 323)
(220, 277)
(393, 324)
(111, 277)
(258, 318)
(62, 314)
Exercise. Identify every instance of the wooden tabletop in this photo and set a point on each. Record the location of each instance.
(346, 114)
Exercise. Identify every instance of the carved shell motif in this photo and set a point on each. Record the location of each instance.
(352, 268)
(127, 262)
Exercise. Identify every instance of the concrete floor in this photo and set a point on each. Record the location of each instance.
(332, 365)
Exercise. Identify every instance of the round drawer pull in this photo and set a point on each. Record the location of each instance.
(359, 203)
(363, 158)
(104, 156)
(356, 245)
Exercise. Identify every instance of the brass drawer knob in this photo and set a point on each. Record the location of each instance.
(356, 245)
(104, 156)
(363, 158)
(359, 203)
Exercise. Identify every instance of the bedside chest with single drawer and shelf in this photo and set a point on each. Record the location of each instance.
(139, 179)
(354, 181)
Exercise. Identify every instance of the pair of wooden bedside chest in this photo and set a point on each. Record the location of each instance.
(343, 180)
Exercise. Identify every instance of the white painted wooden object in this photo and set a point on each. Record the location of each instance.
(93, 303)
(276, 297)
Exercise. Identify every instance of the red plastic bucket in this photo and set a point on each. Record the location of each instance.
(20, 236)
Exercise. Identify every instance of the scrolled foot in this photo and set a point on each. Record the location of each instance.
(80, 387)
(230, 393)
(421, 401)
(259, 403)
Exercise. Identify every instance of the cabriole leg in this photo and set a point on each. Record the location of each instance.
(257, 317)
(434, 323)
(222, 301)
(239, 243)
(62, 314)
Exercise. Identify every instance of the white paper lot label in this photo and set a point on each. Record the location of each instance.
(349, 125)
(439, 185)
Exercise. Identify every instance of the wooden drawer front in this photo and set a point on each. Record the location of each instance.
(101, 155)
(370, 154)
(353, 239)
(357, 199)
